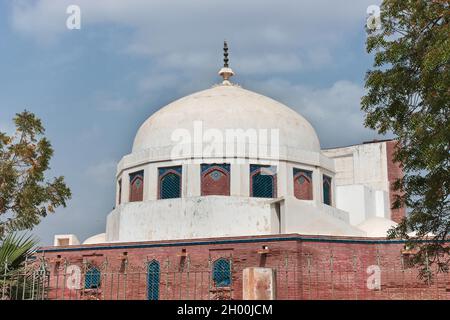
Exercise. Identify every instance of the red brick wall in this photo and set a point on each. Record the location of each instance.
(303, 191)
(395, 172)
(210, 186)
(306, 268)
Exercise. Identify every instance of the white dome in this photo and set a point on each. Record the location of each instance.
(227, 107)
(98, 238)
(377, 226)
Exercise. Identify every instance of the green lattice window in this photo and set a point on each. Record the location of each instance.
(327, 190)
(222, 272)
(153, 277)
(263, 181)
(92, 278)
(170, 182)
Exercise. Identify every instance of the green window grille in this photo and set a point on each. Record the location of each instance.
(327, 190)
(170, 182)
(222, 272)
(263, 181)
(92, 278)
(153, 276)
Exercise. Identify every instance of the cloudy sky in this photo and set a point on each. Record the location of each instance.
(95, 86)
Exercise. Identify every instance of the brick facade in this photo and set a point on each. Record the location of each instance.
(303, 185)
(215, 181)
(306, 268)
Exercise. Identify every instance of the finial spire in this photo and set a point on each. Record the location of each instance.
(226, 72)
(225, 54)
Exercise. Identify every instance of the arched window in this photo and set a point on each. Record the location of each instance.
(92, 278)
(327, 190)
(169, 182)
(137, 186)
(263, 181)
(215, 179)
(222, 272)
(303, 184)
(153, 274)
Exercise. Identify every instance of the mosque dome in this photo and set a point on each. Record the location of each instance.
(224, 107)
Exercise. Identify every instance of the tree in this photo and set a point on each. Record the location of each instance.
(25, 195)
(408, 94)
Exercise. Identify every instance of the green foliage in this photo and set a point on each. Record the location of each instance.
(25, 195)
(16, 277)
(408, 93)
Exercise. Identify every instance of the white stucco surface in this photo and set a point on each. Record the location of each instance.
(377, 227)
(361, 164)
(362, 202)
(226, 107)
(195, 217)
(98, 238)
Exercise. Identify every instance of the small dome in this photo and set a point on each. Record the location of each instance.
(98, 238)
(377, 226)
(227, 107)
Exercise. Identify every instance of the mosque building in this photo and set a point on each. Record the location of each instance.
(232, 185)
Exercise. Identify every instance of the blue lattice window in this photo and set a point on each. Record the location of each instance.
(263, 181)
(92, 278)
(222, 272)
(327, 190)
(215, 179)
(153, 275)
(169, 182)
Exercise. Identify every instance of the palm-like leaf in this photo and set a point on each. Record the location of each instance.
(14, 252)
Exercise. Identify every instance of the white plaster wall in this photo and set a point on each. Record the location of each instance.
(196, 217)
(304, 218)
(361, 164)
(361, 202)
(71, 239)
(382, 206)
(221, 216)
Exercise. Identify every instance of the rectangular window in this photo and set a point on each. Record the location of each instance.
(119, 200)
(263, 181)
(327, 190)
(215, 179)
(137, 186)
(303, 187)
(169, 182)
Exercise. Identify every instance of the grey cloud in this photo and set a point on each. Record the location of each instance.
(334, 111)
(183, 34)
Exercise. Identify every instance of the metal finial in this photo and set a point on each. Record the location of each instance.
(226, 71)
(225, 54)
